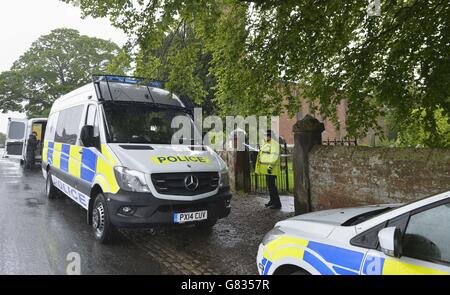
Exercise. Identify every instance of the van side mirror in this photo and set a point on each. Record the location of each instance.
(87, 136)
(390, 241)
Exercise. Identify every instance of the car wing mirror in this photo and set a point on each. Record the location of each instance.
(390, 241)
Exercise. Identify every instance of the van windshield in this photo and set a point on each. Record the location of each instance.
(142, 123)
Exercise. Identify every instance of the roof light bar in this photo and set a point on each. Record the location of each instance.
(128, 80)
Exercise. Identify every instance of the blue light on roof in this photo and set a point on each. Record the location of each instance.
(156, 84)
(130, 80)
(120, 79)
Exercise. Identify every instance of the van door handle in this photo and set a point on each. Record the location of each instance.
(81, 152)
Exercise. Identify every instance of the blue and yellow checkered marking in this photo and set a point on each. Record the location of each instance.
(344, 261)
(65, 154)
(83, 163)
(88, 165)
(266, 265)
(326, 259)
(50, 153)
(332, 260)
(318, 264)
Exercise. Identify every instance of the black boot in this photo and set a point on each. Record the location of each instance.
(275, 206)
(268, 204)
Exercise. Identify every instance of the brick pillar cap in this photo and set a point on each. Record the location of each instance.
(308, 124)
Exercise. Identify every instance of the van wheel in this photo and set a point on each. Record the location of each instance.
(104, 230)
(207, 224)
(50, 190)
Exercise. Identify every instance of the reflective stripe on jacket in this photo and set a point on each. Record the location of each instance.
(268, 161)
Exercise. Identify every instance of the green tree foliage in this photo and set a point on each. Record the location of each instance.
(177, 42)
(333, 50)
(179, 58)
(120, 64)
(412, 133)
(54, 65)
(11, 91)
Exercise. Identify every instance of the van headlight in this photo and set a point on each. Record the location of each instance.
(272, 235)
(224, 178)
(131, 180)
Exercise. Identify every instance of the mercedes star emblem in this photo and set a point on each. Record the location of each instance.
(191, 183)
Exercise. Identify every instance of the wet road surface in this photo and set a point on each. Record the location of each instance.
(36, 235)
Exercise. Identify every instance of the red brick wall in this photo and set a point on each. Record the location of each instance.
(285, 126)
(331, 132)
(354, 176)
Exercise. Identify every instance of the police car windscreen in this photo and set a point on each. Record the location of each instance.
(117, 91)
(137, 123)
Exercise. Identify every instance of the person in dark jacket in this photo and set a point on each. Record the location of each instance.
(31, 150)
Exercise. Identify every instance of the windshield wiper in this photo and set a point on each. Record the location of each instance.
(365, 216)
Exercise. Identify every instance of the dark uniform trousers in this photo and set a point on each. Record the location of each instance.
(273, 191)
(31, 149)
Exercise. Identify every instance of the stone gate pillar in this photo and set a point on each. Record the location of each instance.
(307, 133)
(239, 165)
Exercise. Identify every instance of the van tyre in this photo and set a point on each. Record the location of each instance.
(104, 230)
(50, 190)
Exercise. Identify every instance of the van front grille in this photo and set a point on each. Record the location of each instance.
(186, 183)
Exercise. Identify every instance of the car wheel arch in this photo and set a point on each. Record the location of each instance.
(289, 269)
(300, 264)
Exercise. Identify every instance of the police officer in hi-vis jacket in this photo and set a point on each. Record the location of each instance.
(268, 164)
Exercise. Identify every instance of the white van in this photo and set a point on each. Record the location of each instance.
(17, 137)
(108, 147)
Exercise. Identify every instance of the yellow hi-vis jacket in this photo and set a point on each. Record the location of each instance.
(268, 161)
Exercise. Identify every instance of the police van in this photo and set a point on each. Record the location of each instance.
(108, 146)
(17, 143)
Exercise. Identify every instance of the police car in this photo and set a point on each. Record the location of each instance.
(372, 240)
(109, 146)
